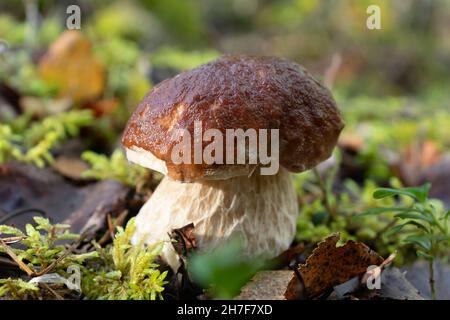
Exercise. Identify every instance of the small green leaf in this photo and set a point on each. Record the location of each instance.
(418, 225)
(446, 215)
(375, 211)
(418, 193)
(415, 216)
(439, 237)
(423, 254)
(390, 192)
(421, 241)
(394, 230)
(4, 229)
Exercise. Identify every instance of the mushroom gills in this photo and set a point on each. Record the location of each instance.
(262, 209)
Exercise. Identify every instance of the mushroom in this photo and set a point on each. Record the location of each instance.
(222, 200)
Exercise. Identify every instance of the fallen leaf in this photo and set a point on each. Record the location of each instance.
(100, 199)
(70, 66)
(44, 191)
(295, 289)
(102, 107)
(184, 241)
(329, 265)
(360, 282)
(70, 167)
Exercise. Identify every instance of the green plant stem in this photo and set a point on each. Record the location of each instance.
(431, 278)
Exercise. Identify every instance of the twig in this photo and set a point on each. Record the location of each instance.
(119, 222)
(52, 265)
(110, 225)
(16, 259)
(70, 250)
(376, 272)
(47, 269)
(56, 294)
(11, 240)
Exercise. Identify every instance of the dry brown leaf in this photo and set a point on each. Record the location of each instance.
(102, 107)
(295, 289)
(70, 66)
(329, 265)
(70, 167)
(184, 239)
(32, 190)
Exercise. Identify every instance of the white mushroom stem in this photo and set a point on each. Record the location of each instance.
(263, 209)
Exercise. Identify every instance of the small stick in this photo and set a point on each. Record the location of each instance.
(51, 266)
(56, 294)
(16, 259)
(119, 222)
(11, 240)
(110, 226)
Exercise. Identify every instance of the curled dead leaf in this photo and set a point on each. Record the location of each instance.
(184, 240)
(329, 265)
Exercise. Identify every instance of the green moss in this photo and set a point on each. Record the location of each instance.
(127, 272)
(117, 271)
(115, 167)
(33, 142)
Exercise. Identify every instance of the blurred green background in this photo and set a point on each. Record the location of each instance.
(408, 56)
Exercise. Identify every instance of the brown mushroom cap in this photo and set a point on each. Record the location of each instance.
(238, 92)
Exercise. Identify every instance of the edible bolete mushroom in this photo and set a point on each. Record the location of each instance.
(232, 92)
